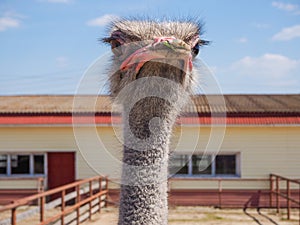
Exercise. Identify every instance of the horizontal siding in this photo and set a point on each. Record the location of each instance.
(36, 139)
(195, 184)
(98, 146)
(17, 184)
(100, 152)
(231, 198)
(214, 184)
(264, 150)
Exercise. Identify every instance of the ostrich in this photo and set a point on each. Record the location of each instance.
(150, 72)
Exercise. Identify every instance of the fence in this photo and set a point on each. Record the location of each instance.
(273, 192)
(220, 192)
(68, 204)
(284, 191)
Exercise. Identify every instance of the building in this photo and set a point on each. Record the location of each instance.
(62, 139)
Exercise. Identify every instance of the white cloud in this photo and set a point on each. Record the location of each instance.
(102, 21)
(243, 40)
(292, 8)
(261, 25)
(285, 6)
(268, 73)
(62, 61)
(287, 33)
(10, 20)
(267, 66)
(6, 23)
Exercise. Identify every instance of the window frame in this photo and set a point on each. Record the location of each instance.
(213, 166)
(31, 164)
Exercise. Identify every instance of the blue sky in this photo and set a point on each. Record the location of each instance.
(46, 45)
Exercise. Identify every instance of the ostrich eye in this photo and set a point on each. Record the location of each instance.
(115, 47)
(195, 50)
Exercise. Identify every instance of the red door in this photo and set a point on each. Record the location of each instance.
(61, 168)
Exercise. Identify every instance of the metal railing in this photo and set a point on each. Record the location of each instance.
(284, 191)
(88, 195)
(220, 186)
(273, 192)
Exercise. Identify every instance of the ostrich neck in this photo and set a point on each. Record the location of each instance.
(143, 197)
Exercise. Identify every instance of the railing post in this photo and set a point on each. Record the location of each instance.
(106, 188)
(271, 190)
(42, 198)
(90, 202)
(220, 192)
(41, 184)
(288, 199)
(277, 194)
(13, 216)
(100, 189)
(42, 208)
(63, 204)
(77, 201)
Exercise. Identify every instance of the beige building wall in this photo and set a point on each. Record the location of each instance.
(262, 150)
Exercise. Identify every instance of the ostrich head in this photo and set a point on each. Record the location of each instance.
(144, 48)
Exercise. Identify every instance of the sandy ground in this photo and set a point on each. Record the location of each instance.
(190, 216)
(209, 216)
(31, 220)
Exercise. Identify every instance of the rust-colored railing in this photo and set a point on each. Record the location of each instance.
(71, 198)
(284, 192)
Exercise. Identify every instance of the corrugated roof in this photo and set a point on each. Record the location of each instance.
(54, 104)
(240, 104)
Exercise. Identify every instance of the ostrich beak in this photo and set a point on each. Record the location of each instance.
(174, 44)
(161, 48)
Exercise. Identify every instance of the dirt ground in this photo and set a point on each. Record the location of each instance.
(190, 216)
(209, 216)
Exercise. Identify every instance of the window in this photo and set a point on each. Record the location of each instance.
(3, 164)
(201, 164)
(39, 164)
(204, 165)
(178, 164)
(225, 164)
(22, 164)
